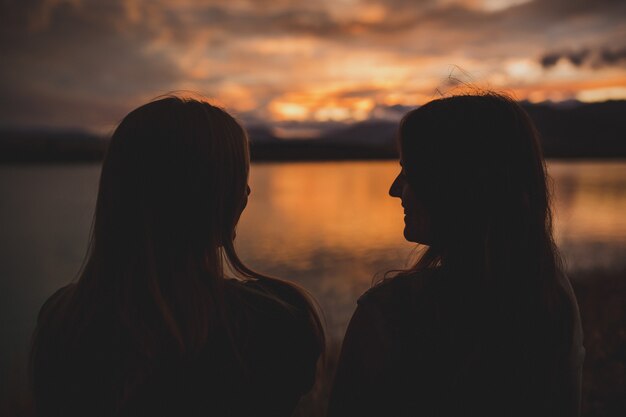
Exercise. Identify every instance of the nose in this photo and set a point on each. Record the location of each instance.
(396, 187)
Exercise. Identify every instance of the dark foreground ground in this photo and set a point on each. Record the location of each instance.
(602, 301)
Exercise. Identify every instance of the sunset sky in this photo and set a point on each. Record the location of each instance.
(86, 63)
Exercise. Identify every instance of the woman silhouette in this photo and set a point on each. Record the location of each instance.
(153, 326)
(485, 323)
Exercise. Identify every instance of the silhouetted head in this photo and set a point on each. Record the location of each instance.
(174, 183)
(473, 178)
(175, 176)
(172, 189)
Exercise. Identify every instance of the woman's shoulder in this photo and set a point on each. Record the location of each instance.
(404, 301)
(280, 329)
(52, 304)
(270, 293)
(404, 288)
(573, 317)
(278, 307)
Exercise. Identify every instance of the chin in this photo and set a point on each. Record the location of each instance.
(412, 236)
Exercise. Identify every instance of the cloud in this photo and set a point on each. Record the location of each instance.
(602, 57)
(550, 59)
(577, 58)
(111, 55)
(82, 59)
(611, 57)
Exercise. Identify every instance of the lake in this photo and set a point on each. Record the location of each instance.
(330, 226)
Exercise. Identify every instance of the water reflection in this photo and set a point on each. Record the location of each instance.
(296, 209)
(590, 206)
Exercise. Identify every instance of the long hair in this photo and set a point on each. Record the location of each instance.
(475, 163)
(172, 188)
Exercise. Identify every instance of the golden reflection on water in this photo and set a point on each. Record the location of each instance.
(589, 200)
(295, 207)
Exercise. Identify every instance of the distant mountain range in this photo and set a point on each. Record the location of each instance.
(568, 130)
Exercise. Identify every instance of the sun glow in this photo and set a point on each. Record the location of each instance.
(322, 108)
(289, 111)
(602, 94)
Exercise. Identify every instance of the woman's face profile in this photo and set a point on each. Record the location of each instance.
(244, 204)
(245, 198)
(416, 223)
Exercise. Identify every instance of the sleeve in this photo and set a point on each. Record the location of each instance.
(285, 350)
(44, 369)
(362, 365)
(577, 352)
(304, 343)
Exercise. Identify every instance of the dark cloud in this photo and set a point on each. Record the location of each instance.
(294, 21)
(302, 17)
(450, 21)
(577, 58)
(602, 57)
(360, 92)
(550, 59)
(612, 57)
(78, 63)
